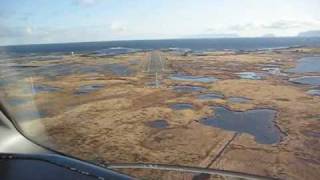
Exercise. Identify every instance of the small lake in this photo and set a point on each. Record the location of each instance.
(17, 101)
(159, 124)
(203, 79)
(52, 71)
(238, 99)
(26, 115)
(257, 122)
(307, 64)
(210, 96)
(309, 80)
(188, 89)
(39, 88)
(314, 92)
(312, 134)
(88, 88)
(181, 106)
(4, 82)
(249, 75)
(269, 65)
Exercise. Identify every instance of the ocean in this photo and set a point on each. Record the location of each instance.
(245, 44)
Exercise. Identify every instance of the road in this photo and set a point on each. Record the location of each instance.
(155, 67)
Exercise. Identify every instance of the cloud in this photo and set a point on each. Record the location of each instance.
(283, 25)
(29, 34)
(85, 2)
(268, 35)
(26, 16)
(5, 13)
(292, 24)
(29, 30)
(118, 28)
(242, 27)
(275, 25)
(8, 32)
(24, 34)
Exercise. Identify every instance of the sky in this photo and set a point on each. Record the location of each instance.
(56, 21)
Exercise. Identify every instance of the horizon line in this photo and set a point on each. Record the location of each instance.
(160, 39)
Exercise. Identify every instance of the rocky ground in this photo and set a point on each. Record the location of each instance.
(112, 118)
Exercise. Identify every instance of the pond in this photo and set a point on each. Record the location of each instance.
(4, 82)
(30, 114)
(159, 124)
(181, 106)
(314, 92)
(249, 75)
(188, 89)
(257, 122)
(52, 71)
(238, 99)
(203, 79)
(312, 134)
(210, 96)
(309, 80)
(307, 64)
(17, 101)
(88, 88)
(274, 71)
(39, 88)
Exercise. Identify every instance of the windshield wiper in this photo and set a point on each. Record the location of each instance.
(190, 169)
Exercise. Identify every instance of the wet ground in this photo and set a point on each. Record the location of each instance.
(255, 112)
(84, 89)
(58, 70)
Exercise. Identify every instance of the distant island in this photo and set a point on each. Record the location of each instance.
(310, 34)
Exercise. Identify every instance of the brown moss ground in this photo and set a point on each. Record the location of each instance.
(110, 125)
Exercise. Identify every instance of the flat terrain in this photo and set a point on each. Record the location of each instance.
(229, 110)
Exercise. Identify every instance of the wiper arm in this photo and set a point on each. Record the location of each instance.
(186, 169)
